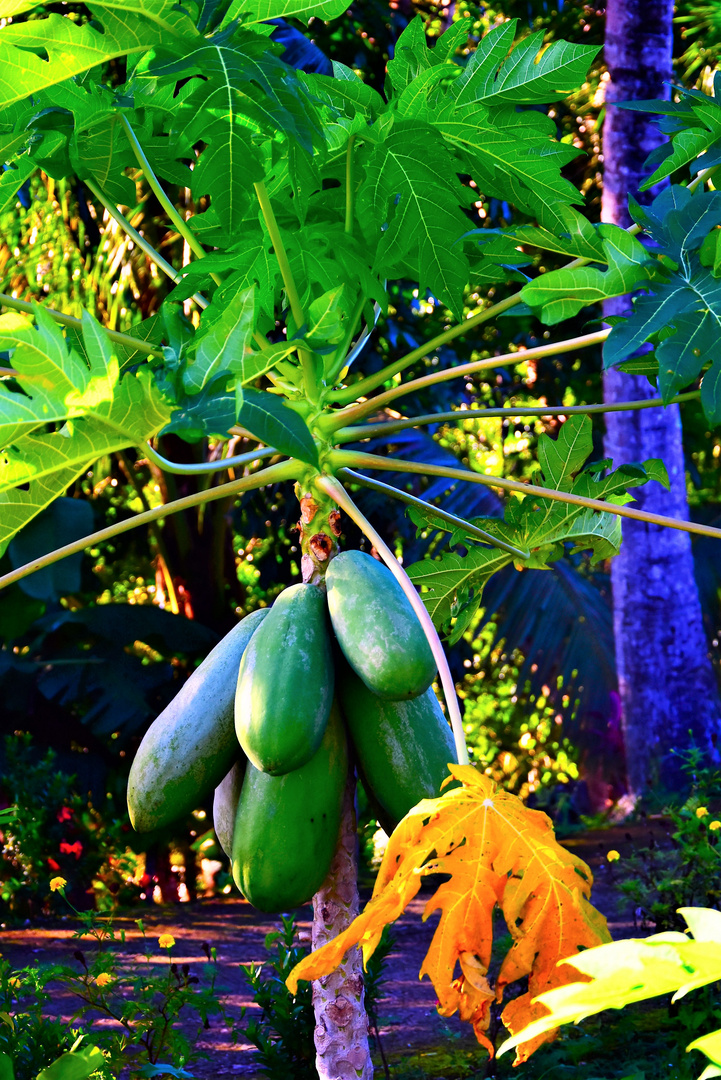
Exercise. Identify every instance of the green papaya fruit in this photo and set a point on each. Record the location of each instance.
(377, 629)
(285, 683)
(190, 747)
(287, 826)
(402, 748)
(225, 806)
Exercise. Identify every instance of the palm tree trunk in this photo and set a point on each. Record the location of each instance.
(666, 682)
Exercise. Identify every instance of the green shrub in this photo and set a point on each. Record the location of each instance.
(660, 881)
(55, 831)
(146, 998)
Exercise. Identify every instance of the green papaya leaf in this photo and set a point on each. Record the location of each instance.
(6, 1068)
(694, 130)
(9, 8)
(452, 585)
(73, 47)
(270, 419)
(580, 239)
(523, 76)
(711, 393)
(261, 10)
(642, 365)
(562, 293)
(19, 169)
(77, 1065)
(221, 341)
(710, 252)
(560, 459)
(81, 396)
(19, 506)
(681, 309)
(407, 213)
(327, 315)
(681, 356)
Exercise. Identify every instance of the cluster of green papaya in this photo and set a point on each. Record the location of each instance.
(268, 718)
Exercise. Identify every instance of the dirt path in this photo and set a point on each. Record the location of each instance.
(237, 930)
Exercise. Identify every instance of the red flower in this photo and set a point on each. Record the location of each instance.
(75, 849)
(53, 865)
(64, 814)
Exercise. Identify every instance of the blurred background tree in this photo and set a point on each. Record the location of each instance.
(93, 650)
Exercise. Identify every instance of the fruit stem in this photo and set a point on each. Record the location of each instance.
(340, 495)
(319, 528)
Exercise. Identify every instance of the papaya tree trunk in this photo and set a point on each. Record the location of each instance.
(666, 683)
(341, 1020)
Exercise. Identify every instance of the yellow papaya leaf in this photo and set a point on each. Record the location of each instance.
(496, 852)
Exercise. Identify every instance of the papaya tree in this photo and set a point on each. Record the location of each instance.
(299, 196)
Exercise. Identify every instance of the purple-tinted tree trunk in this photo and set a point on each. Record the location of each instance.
(666, 682)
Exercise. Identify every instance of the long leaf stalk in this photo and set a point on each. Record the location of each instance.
(344, 459)
(194, 469)
(421, 504)
(349, 185)
(360, 389)
(337, 492)
(306, 358)
(157, 258)
(335, 421)
(171, 210)
(369, 431)
(142, 243)
(274, 474)
(348, 394)
(75, 324)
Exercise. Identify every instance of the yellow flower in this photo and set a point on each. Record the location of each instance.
(701, 812)
(103, 978)
(57, 884)
(166, 941)
(714, 825)
(613, 856)
(14, 981)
